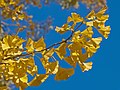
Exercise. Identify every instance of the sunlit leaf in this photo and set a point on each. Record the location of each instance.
(76, 18)
(29, 45)
(62, 29)
(49, 53)
(91, 15)
(40, 44)
(85, 66)
(96, 41)
(105, 31)
(52, 67)
(88, 32)
(61, 50)
(101, 12)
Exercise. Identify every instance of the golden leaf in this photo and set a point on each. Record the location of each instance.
(101, 12)
(105, 31)
(24, 79)
(11, 42)
(61, 50)
(49, 53)
(32, 70)
(78, 38)
(99, 24)
(96, 41)
(62, 29)
(52, 67)
(29, 45)
(91, 15)
(44, 61)
(38, 79)
(75, 18)
(70, 61)
(74, 47)
(90, 49)
(40, 44)
(85, 66)
(21, 16)
(87, 32)
(90, 23)
(103, 18)
(64, 74)
(69, 19)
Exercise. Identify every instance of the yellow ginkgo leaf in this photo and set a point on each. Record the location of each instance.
(40, 44)
(83, 57)
(38, 79)
(21, 16)
(29, 45)
(23, 85)
(44, 61)
(61, 50)
(87, 32)
(98, 24)
(69, 19)
(90, 49)
(96, 41)
(49, 53)
(32, 70)
(85, 66)
(24, 79)
(103, 18)
(64, 73)
(91, 15)
(76, 37)
(75, 18)
(52, 67)
(70, 61)
(30, 62)
(101, 12)
(11, 41)
(74, 47)
(62, 29)
(89, 24)
(105, 31)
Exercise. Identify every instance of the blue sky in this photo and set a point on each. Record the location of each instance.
(105, 74)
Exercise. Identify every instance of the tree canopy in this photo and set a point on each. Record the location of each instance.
(17, 54)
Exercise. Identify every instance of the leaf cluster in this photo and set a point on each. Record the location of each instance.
(17, 55)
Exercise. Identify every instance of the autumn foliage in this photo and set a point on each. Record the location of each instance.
(17, 60)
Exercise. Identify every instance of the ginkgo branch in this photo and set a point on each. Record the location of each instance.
(55, 44)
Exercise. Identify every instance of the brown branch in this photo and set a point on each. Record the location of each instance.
(55, 44)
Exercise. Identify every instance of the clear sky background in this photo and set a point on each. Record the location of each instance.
(105, 74)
